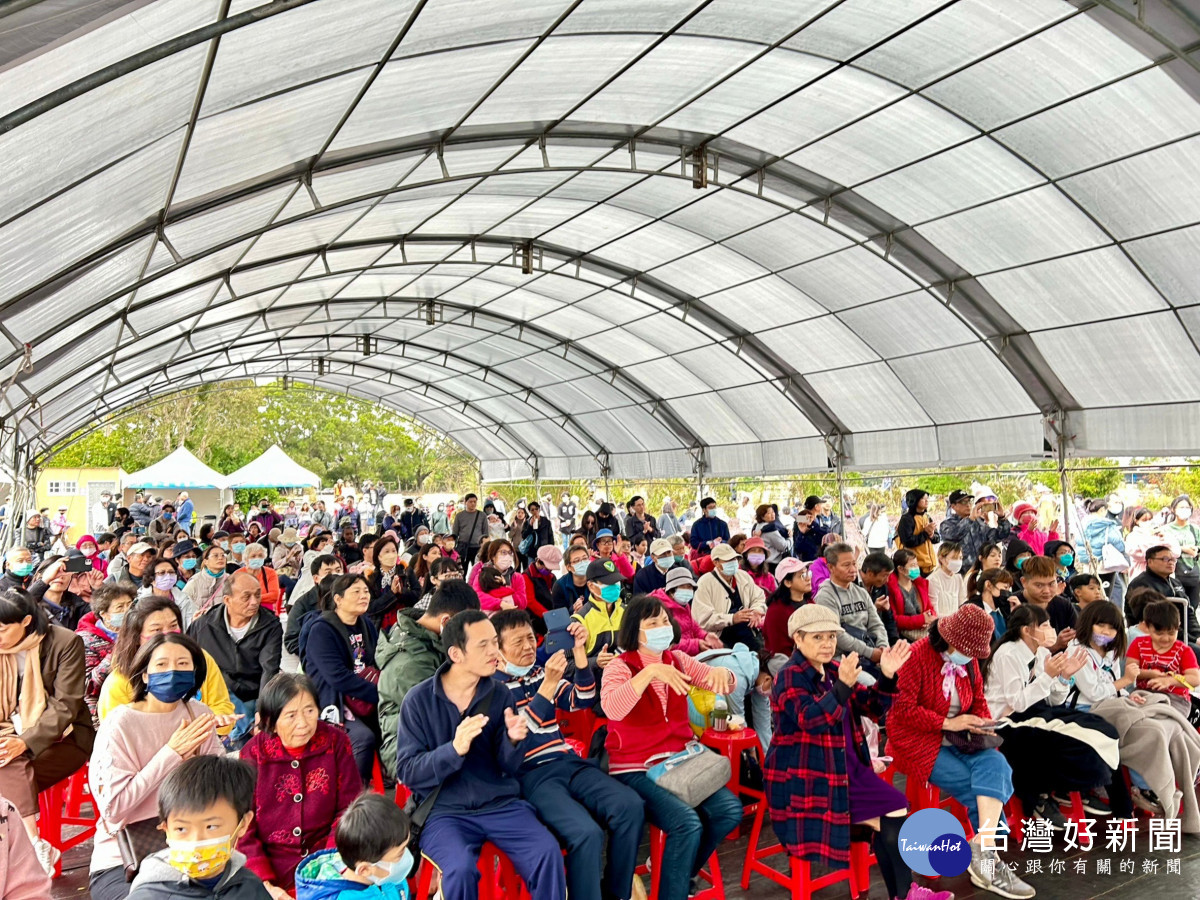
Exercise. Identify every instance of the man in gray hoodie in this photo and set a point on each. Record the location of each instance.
(865, 633)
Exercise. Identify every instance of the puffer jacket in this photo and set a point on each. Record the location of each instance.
(1098, 531)
(157, 879)
(406, 656)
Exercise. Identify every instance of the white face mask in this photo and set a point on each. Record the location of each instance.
(954, 565)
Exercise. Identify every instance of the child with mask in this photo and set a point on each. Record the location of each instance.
(372, 860)
(204, 809)
(947, 587)
(572, 796)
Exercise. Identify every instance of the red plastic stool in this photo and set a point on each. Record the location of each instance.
(799, 878)
(377, 777)
(498, 878)
(402, 795)
(56, 815)
(716, 885)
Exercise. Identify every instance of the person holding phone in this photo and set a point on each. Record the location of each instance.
(941, 702)
(576, 800)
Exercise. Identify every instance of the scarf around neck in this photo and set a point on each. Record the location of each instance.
(21, 692)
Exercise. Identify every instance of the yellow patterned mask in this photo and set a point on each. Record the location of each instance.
(200, 859)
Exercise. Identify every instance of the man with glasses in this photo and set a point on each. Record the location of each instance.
(1160, 576)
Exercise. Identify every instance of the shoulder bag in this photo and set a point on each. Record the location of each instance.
(693, 774)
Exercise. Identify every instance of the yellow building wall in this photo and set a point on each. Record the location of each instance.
(88, 485)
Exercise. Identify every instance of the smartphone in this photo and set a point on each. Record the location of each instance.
(76, 564)
(557, 619)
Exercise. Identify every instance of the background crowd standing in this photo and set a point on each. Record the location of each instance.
(447, 652)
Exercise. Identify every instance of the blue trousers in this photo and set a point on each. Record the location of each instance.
(451, 842)
(965, 776)
(245, 725)
(580, 804)
(691, 834)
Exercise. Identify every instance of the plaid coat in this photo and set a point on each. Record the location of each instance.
(806, 784)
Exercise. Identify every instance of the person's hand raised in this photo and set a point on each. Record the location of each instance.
(468, 729)
(849, 669)
(518, 727)
(894, 657)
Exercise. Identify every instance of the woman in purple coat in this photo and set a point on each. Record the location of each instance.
(306, 778)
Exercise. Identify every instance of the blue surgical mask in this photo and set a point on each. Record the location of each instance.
(679, 557)
(167, 517)
(189, 564)
(239, 548)
(517, 671)
(729, 568)
(1066, 558)
(610, 593)
(1102, 640)
(710, 513)
(21, 569)
(256, 563)
(580, 568)
(114, 620)
(172, 686)
(684, 596)
(664, 564)
(959, 659)
(1020, 563)
(659, 638)
(396, 871)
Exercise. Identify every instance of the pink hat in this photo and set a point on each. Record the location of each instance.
(550, 557)
(1021, 508)
(969, 630)
(787, 567)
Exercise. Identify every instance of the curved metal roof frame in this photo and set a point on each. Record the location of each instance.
(718, 158)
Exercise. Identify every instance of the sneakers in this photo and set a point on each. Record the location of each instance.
(1094, 801)
(1048, 810)
(920, 892)
(991, 873)
(1147, 801)
(47, 855)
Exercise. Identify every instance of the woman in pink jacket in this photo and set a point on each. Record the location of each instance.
(1026, 517)
(677, 598)
(500, 554)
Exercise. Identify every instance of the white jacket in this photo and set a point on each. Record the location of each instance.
(1013, 687)
(710, 605)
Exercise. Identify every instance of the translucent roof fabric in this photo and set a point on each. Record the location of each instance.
(622, 236)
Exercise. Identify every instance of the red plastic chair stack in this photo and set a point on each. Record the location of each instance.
(60, 808)
(498, 878)
(712, 875)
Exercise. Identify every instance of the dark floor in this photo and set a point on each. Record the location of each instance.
(1066, 886)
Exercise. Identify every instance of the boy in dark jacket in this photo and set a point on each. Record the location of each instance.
(200, 862)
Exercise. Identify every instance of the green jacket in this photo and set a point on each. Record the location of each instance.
(406, 656)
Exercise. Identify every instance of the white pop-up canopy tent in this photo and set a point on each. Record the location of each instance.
(181, 470)
(274, 469)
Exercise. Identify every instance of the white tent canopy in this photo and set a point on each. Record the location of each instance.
(274, 469)
(180, 470)
(617, 237)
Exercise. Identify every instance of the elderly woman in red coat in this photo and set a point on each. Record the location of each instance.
(937, 730)
(306, 778)
(819, 757)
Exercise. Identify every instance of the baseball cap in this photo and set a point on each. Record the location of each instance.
(787, 567)
(724, 553)
(603, 571)
(140, 547)
(959, 496)
(660, 545)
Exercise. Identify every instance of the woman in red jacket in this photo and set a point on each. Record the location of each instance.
(306, 778)
(941, 700)
(909, 594)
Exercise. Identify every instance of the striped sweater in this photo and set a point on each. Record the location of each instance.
(545, 741)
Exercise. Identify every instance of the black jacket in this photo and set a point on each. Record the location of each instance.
(67, 612)
(247, 664)
(305, 604)
(410, 521)
(1169, 588)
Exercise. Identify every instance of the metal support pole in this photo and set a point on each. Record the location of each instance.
(698, 455)
(1064, 484)
(537, 482)
(835, 445)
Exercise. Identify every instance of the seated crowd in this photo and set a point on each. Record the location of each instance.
(538, 692)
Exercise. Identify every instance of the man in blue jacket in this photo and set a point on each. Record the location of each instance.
(460, 735)
(708, 530)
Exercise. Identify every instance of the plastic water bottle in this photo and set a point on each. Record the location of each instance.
(720, 715)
